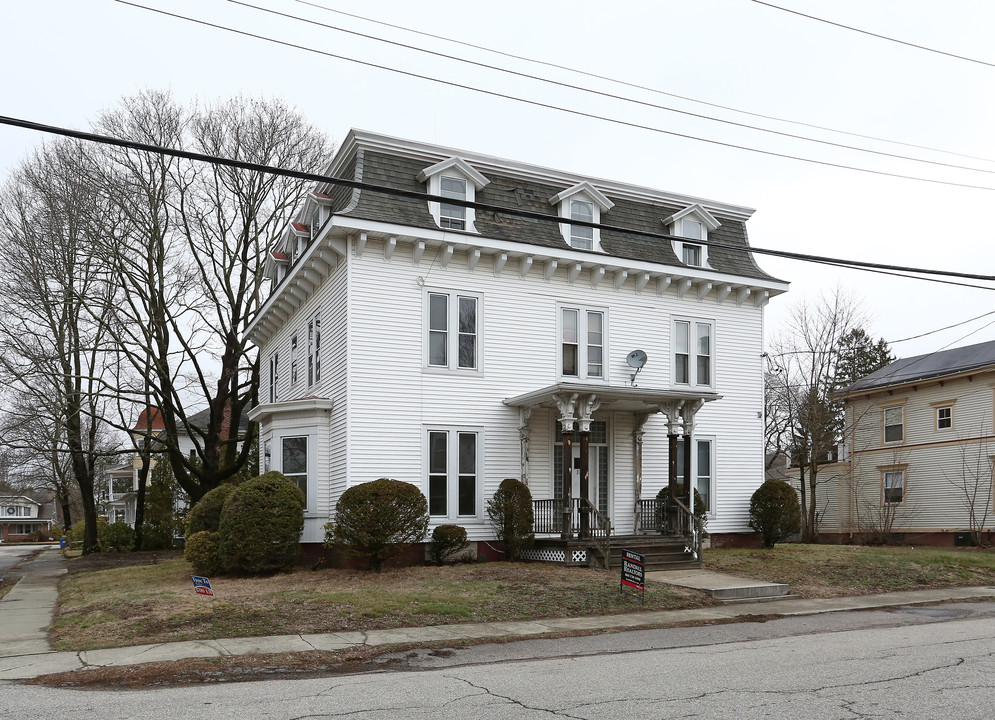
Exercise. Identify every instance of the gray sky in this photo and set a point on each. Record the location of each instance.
(65, 60)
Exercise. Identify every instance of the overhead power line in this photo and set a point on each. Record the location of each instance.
(909, 272)
(877, 35)
(610, 96)
(551, 106)
(637, 86)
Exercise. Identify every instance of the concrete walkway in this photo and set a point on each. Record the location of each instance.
(25, 653)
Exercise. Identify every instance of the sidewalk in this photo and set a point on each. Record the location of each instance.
(25, 653)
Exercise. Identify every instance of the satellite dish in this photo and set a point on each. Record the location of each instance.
(636, 359)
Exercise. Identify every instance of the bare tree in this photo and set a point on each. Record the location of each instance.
(55, 290)
(188, 261)
(805, 364)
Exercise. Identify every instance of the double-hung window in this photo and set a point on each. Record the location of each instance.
(701, 469)
(581, 236)
(453, 331)
(894, 487)
(451, 216)
(294, 461)
(274, 377)
(893, 419)
(582, 343)
(944, 417)
(693, 352)
(453, 472)
(313, 350)
(315, 222)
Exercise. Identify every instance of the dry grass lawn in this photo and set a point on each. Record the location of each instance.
(131, 605)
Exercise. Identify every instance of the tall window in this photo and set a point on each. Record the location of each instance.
(315, 222)
(693, 353)
(582, 237)
(274, 376)
(453, 216)
(293, 359)
(453, 333)
(894, 424)
(691, 254)
(894, 487)
(294, 461)
(701, 469)
(313, 350)
(582, 343)
(453, 464)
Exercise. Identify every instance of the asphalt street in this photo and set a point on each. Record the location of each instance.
(924, 662)
(10, 555)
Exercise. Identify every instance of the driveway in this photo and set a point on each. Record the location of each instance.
(10, 555)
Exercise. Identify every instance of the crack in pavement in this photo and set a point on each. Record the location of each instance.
(513, 701)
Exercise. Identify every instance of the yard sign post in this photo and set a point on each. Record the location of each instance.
(633, 573)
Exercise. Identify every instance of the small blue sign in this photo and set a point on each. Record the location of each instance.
(202, 585)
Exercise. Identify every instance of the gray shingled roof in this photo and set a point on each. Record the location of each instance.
(392, 171)
(927, 367)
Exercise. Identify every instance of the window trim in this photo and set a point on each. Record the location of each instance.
(692, 353)
(314, 350)
(707, 222)
(273, 442)
(901, 470)
(711, 440)
(885, 425)
(444, 217)
(274, 376)
(294, 360)
(583, 192)
(453, 332)
(453, 474)
(938, 407)
(583, 312)
(453, 167)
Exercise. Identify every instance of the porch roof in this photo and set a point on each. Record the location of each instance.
(626, 398)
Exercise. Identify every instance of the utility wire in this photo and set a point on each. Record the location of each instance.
(532, 215)
(948, 327)
(872, 34)
(550, 106)
(610, 96)
(637, 86)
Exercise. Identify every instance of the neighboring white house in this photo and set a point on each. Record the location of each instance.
(451, 346)
(920, 448)
(21, 517)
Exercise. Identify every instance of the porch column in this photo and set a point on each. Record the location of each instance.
(567, 406)
(587, 408)
(637, 478)
(523, 435)
(688, 414)
(672, 411)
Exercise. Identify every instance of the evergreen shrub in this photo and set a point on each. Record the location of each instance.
(206, 514)
(260, 526)
(203, 551)
(117, 536)
(774, 512)
(379, 520)
(511, 515)
(447, 542)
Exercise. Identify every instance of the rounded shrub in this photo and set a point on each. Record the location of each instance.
(117, 536)
(203, 551)
(774, 511)
(447, 541)
(510, 511)
(55, 532)
(380, 519)
(75, 533)
(700, 511)
(260, 526)
(206, 514)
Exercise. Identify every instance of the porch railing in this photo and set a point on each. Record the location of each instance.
(550, 517)
(661, 517)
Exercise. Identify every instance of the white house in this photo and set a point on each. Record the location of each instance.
(453, 346)
(920, 448)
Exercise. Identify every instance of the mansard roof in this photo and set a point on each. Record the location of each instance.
(389, 162)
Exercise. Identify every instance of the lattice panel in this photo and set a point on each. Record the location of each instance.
(545, 555)
(579, 556)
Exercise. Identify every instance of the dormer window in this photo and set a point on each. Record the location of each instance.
(581, 236)
(457, 180)
(692, 223)
(453, 217)
(585, 203)
(315, 222)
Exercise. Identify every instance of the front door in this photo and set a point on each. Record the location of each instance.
(598, 485)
